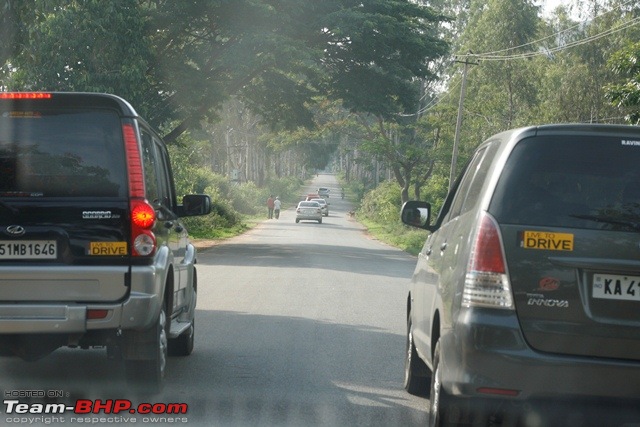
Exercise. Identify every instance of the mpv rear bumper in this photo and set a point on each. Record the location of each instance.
(486, 353)
(138, 310)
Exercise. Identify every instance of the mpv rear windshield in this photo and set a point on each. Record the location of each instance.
(571, 181)
(68, 153)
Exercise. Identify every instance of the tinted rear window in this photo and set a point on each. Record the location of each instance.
(571, 181)
(69, 153)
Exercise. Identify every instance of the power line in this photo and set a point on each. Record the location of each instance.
(493, 56)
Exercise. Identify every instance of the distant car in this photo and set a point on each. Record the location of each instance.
(309, 211)
(526, 292)
(311, 196)
(323, 192)
(324, 205)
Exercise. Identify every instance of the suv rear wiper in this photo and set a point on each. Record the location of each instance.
(8, 207)
(609, 220)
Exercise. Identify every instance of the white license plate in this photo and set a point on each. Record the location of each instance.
(618, 287)
(28, 249)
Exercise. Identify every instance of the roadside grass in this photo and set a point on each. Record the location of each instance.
(401, 236)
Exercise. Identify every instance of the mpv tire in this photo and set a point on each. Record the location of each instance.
(448, 411)
(416, 372)
(149, 374)
(440, 413)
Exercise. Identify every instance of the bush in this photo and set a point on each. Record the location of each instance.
(382, 204)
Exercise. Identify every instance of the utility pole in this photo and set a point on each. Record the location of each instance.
(456, 139)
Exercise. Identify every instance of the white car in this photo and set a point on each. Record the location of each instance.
(323, 191)
(324, 205)
(309, 211)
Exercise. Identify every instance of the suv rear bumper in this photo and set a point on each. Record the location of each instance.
(137, 311)
(487, 353)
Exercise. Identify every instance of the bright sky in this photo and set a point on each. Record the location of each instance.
(549, 5)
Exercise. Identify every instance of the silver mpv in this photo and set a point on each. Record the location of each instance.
(524, 308)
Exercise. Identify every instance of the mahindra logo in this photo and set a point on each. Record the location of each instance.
(16, 230)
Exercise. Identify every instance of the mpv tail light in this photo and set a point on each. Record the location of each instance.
(143, 215)
(486, 283)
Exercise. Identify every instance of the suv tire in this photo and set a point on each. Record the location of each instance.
(149, 374)
(183, 344)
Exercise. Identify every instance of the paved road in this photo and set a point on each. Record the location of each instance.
(297, 325)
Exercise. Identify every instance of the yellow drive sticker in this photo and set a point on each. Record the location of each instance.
(108, 248)
(547, 241)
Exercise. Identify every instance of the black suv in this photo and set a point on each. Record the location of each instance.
(526, 294)
(92, 249)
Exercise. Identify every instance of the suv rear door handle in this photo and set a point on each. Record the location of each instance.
(443, 246)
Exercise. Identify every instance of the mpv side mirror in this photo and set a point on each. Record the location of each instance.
(416, 214)
(195, 204)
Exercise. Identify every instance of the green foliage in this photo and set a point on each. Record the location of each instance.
(287, 188)
(435, 192)
(626, 95)
(89, 45)
(382, 204)
(380, 212)
(193, 178)
(375, 51)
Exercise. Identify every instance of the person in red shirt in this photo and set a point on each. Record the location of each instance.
(270, 206)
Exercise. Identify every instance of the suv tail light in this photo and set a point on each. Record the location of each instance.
(143, 215)
(25, 95)
(487, 283)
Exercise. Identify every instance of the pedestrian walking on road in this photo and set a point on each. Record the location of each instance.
(277, 204)
(270, 205)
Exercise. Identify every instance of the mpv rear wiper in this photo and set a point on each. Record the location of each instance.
(609, 220)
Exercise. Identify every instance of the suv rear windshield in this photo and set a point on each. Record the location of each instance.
(69, 153)
(571, 181)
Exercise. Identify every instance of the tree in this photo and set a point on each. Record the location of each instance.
(108, 52)
(379, 53)
(626, 95)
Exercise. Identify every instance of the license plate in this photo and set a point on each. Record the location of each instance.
(28, 249)
(618, 287)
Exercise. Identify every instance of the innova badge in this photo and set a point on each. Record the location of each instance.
(16, 230)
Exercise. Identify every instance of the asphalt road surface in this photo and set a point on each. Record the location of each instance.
(297, 325)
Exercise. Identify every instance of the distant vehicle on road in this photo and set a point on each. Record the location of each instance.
(309, 211)
(323, 192)
(324, 205)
